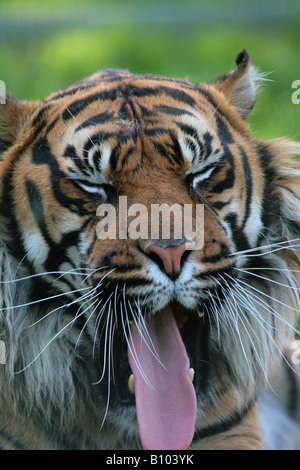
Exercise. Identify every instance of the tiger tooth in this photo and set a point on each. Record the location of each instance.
(131, 384)
(201, 314)
(191, 373)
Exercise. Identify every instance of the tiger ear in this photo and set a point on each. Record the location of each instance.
(14, 117)
(239, 85)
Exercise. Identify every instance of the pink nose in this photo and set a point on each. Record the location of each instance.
(170, 256)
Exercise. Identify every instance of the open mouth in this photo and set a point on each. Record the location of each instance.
(159, 369)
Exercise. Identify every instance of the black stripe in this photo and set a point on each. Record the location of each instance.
(126, 111)
(155, 131)
(70, 90)
(130, 282)
(189, 130)
(79, 105)
(114, 157)
(218, 205)
(126, 155)
(41, 155)
(4, 145)
(224, 133)
(225, 424)
(215, 272)
(248, 180)
(226, 138)
(207, 144)
(228, 181)
(176, 149)
(99, 138)
(173, 111)
(52, 125)
(224, 252)
(162, 150)
(125, 91)
(124, 268)
(176, 93)
(57, 252)
(212, 166)
(238, 236)
(95, 120)
(270, 203)
(37, 208)
(40, 116)
(195, 149)
(192, 132)
(40, 121)
(71, 152)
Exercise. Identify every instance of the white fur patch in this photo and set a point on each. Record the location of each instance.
(36, 247)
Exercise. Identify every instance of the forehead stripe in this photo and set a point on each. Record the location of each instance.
(101, 118)
(172, 111)
(125, 91)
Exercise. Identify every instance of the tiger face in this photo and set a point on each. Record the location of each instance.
(153, 312)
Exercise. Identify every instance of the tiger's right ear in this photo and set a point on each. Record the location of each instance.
(14, 118)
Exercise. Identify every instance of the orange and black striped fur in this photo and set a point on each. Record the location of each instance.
(68, 298)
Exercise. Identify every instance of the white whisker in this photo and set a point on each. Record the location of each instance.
(98, 320)
(108, 333)
(69, 304)
(266, 295)
(269, 252)
(45, 299)
(87, 321)
(130, 343)
(271, 245)
(48, 344)
(260, 320)
(46, 273)
(268, 279)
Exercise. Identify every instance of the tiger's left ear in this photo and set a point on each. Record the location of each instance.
(239, 85)
(15, 116)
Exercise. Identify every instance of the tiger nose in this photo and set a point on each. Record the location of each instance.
(170, 257)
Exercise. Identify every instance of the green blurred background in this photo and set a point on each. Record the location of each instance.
(46, 45)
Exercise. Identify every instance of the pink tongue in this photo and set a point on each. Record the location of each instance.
(165, 399)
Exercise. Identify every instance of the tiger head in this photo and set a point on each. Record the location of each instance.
(90, 303)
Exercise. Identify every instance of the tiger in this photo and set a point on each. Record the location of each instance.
(148, 342)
